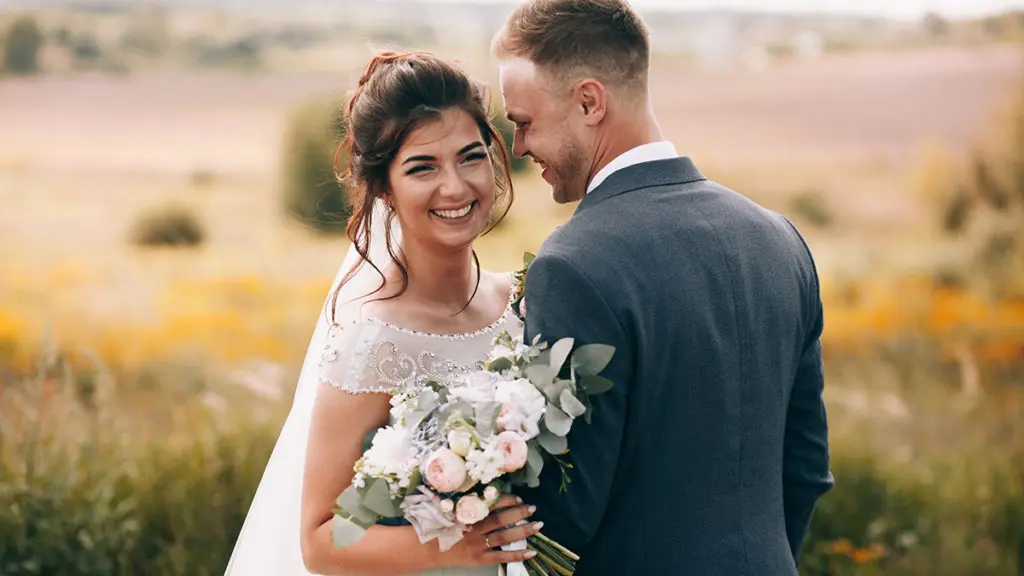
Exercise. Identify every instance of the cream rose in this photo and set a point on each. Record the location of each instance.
(460, 441)
(491, 496)
(470, 509)
(512, 448)
(445, 471)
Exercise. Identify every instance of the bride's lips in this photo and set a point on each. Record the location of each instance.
(456, 214)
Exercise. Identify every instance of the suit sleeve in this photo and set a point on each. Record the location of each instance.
(806, 475)
(561, 302)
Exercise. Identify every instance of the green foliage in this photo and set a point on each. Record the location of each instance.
(893, 521)
(172, 225)
(22, 44)
(90, 488)
(312, 193)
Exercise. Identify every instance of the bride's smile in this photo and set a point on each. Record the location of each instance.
(442, 181)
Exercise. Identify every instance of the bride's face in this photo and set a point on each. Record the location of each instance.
(442, 181)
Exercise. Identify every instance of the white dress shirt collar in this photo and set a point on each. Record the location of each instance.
(643, 153)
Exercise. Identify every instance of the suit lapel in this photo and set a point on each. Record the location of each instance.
(680, 170)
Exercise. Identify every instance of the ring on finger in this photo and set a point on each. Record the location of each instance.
(487, 541)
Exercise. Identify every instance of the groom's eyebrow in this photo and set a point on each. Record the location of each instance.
(426, 158)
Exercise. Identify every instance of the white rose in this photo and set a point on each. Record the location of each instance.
(478, 387)
(389, 452)
(523, 406)
(460, 441)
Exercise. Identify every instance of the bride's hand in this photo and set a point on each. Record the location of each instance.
(481, 545)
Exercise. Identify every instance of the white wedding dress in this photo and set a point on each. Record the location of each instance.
(356, 355)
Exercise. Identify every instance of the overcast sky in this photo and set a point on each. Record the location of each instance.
(910, 9)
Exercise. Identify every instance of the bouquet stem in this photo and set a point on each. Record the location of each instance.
(551, 558)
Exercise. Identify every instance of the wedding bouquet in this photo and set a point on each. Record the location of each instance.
(452, 451)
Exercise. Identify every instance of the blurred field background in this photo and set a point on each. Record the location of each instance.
(163, 259)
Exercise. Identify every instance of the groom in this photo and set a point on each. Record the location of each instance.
(711, 451)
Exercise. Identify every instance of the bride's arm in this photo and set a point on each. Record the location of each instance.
(339, 422)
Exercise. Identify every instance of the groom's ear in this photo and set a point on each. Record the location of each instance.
(591, 100)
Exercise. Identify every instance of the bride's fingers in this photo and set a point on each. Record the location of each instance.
(505, 517)
(514, 534)
(507, 501)
(508, 556)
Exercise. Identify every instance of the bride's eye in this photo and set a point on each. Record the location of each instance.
(475, 156)
(417, 169)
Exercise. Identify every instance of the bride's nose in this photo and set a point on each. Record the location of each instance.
(454, 185)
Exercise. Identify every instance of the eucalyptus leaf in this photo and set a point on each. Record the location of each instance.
(553, 390)
(559, 353)
(378, 498)
(552, 444)
(415, 480)
(594, 385)
(539, 374)
(570, 404)
(591, 359)
(528, 259)
(486, 417)
(351, 503)
(534, 466)
(345, 532)
(587, 415)
(558, 422)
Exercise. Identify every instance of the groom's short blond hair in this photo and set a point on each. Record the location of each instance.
(568, 39)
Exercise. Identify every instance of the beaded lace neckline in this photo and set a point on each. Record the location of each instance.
(512, 293)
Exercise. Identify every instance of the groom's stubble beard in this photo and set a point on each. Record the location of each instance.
(571, 179)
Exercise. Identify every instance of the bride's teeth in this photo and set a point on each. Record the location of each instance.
(453, 214)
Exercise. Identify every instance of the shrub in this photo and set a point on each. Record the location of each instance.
(172, 225)
(981, 204)
(96, 488)
(312, 193)
(22, 45)
(812, 207)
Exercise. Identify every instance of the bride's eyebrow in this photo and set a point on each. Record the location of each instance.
(427, 158)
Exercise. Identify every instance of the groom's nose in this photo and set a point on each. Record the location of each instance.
(518, 147)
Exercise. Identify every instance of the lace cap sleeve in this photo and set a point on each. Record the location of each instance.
(347, 358)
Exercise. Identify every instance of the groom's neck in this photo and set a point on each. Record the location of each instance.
(624, 132)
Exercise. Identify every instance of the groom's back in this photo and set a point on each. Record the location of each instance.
(720, 299)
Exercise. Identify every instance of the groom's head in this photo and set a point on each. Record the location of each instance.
(573, 72)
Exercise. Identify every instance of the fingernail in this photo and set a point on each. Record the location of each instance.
(532, 509)
(538, 526)
(519, 500)
(530, 553)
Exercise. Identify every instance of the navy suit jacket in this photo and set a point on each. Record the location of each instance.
(709, 454)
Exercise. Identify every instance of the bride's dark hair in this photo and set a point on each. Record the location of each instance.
(396, 92)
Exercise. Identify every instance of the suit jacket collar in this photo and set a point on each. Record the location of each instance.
(666, 172)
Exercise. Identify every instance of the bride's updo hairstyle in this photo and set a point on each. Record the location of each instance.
(396, 92)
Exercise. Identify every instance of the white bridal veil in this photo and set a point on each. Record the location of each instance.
(268, 544)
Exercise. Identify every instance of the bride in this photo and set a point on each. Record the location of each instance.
(410, 303)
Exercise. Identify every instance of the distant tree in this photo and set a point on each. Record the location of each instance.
(22, 45)
(312, 193)
(935, 25)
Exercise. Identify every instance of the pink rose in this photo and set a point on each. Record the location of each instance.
(445, 471)
(470, 509)
(512, 448)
